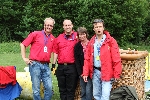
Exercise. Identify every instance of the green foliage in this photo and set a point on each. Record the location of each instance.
(10, 15)
(146, 28)
(34, 13)
(126, 20)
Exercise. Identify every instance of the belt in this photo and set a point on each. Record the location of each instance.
(42, 62)
(98, 68)
(66, 63)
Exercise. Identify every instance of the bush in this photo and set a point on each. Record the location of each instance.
(124, 19)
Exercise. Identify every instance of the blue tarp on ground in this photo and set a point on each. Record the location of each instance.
(10, 92)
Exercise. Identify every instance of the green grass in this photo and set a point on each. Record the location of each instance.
(16, 60)
(139, 47)
(11, 59)
(10, 56)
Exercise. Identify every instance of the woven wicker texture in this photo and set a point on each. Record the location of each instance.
(78, 91)
(133, 74)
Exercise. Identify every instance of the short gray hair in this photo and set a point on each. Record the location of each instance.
(49, 18)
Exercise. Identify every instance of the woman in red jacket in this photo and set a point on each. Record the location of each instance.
(102, 61)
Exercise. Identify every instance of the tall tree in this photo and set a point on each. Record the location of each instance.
(123, 18)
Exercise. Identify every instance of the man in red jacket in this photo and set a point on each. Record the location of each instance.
(102, 61)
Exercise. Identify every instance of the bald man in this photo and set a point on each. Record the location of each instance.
(64, 53)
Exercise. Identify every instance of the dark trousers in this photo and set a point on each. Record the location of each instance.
(67, 81)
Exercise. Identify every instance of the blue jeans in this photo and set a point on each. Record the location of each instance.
(101, 89)
(40, 72)
(86, 89)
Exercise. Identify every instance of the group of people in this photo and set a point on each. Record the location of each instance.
(95, 62)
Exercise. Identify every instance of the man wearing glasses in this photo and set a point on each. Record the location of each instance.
(102, 61)
(40, 52)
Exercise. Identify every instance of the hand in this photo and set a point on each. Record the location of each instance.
(27, 61)
(85, 78)
(53, 69)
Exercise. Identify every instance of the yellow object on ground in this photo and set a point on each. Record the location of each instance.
(147, 67)
(54, 71)
(24, 79)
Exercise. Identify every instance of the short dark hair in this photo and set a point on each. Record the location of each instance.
(82, 30)
(98, 21)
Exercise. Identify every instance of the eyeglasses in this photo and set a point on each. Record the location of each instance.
(49, 25)
(98, 21)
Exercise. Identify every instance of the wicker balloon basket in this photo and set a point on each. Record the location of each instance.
(133, 72)
(78, 91)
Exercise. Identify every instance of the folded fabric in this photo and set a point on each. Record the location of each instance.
(10, 92)
(124, 93)
(7, 75)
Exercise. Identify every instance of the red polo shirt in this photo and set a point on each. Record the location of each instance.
(65, 47)
(38, 41)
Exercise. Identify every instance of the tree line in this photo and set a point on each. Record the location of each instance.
(126, 20)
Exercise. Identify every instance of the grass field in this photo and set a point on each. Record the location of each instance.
(10, 56)
(16, 60)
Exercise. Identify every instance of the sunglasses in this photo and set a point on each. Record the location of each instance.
(98, 21)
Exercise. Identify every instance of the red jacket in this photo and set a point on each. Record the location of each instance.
(110, 59)
(7, 75)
